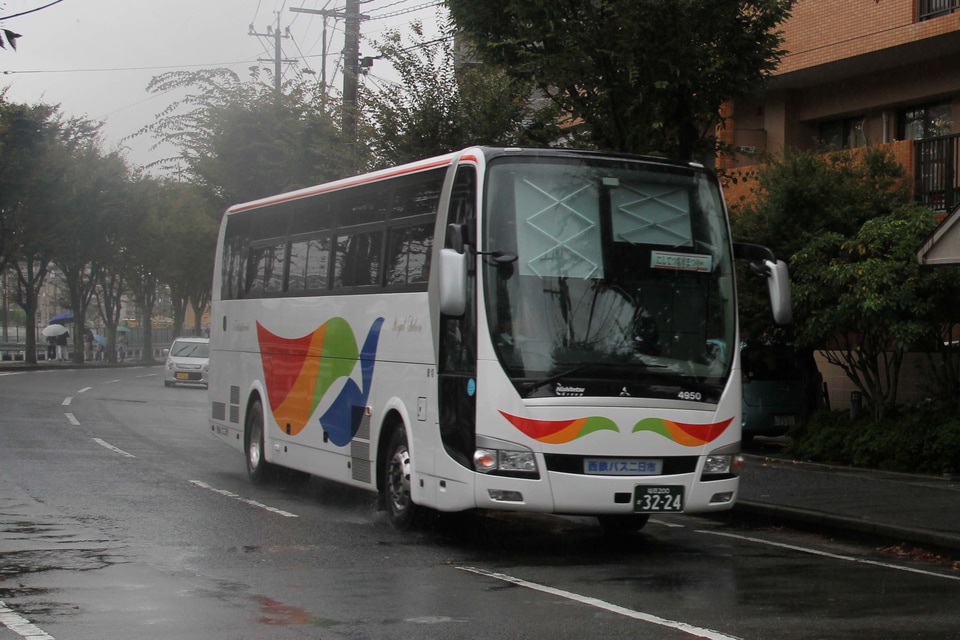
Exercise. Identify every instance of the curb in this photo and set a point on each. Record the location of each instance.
(845, 523)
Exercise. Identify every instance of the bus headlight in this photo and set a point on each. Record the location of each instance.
(505, 462)
(723, 463)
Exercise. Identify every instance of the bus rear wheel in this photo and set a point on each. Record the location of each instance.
(396, 482)
(257, 466)
(618, 525)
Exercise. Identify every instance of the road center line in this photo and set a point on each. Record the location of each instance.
(834, 556)
(72, 419)
(20, 625)
(84, 390)
(601, 604)
(66, 401)
(107, 445)
(252, 503)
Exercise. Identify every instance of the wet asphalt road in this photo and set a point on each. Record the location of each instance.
(121, 517)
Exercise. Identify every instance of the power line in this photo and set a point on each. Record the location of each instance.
(113, 69)
(23, 13)
(400, 12)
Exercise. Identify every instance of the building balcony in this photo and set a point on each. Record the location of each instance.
(929, 9)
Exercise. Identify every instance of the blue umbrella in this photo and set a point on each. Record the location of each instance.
(100, 339)
(61, 318)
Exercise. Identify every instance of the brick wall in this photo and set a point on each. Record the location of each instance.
(823, 31)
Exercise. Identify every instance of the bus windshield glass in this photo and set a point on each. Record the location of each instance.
(623, 282)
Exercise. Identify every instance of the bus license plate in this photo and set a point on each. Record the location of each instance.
(658, 499)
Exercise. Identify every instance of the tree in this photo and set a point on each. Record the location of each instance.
(94, 183)
(644, 76)
(438, 107)
(850, 231)
(241, 140)
(31, 198)
(188, 234)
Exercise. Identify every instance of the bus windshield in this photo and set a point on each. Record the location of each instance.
(623, 282)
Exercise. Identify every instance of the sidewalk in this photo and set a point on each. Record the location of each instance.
(921, 510)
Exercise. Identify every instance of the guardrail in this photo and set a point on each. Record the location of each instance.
(17, 352)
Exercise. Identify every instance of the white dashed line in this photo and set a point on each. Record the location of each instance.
(252, 503)
(689, 629)
(107, 445)
(72, 419)
(20, 625)
(834, 556)
(66, 401)
(84, 390)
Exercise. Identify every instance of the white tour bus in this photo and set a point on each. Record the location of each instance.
(497, 328)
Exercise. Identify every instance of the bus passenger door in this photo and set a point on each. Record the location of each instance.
(457, 368)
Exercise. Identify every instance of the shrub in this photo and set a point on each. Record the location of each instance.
(919, 438)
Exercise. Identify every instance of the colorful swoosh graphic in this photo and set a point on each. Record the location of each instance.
(560, 431)
(563, 431)
(299, 371)
(689, 435)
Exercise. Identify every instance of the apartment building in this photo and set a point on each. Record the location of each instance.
(859, 73)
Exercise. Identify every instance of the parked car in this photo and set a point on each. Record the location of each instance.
(188, 361)
(779, 388)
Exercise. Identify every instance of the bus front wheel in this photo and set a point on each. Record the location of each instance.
(396, 482)
(253, 439)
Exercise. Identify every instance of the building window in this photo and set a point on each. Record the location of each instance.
(846, 133)
(925, 121)
(935, 8)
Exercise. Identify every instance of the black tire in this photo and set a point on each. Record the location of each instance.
(257, 466)
(400, 507)
(618, 525)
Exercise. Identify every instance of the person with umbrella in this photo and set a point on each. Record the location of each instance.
(52, 333)
(88, 343)
(62, 346)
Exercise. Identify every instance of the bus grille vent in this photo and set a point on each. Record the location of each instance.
(234, 395)
(361, 471)
(219, 411)
(234, 414)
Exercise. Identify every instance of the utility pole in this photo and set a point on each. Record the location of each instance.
(326, 13)
(351, 69)
(278, 59)
(351, 62)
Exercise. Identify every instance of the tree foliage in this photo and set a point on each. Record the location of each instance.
(850, 232)
(240, 140)
(643, 76)
(438, 106)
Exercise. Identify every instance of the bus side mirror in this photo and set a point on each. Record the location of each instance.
(778, 285)
(765, 265)
(453, 282)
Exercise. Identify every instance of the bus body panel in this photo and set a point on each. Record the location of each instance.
(383, 369)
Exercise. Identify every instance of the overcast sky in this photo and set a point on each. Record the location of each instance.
(96, 57)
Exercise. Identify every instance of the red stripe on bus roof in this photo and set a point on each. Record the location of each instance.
(335, 186)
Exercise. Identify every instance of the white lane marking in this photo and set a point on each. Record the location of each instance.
(601, 604)
(107, 445)
(84, 390)
(834, 556)
(66, 401)
(252, 503)
(72, 419)
(671, 525)
(12, 373)
(148, 375)
(20, 625)
(112, 381)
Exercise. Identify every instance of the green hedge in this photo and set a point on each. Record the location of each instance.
(918, 439)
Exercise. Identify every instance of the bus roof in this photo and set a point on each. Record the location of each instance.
(468, 154)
